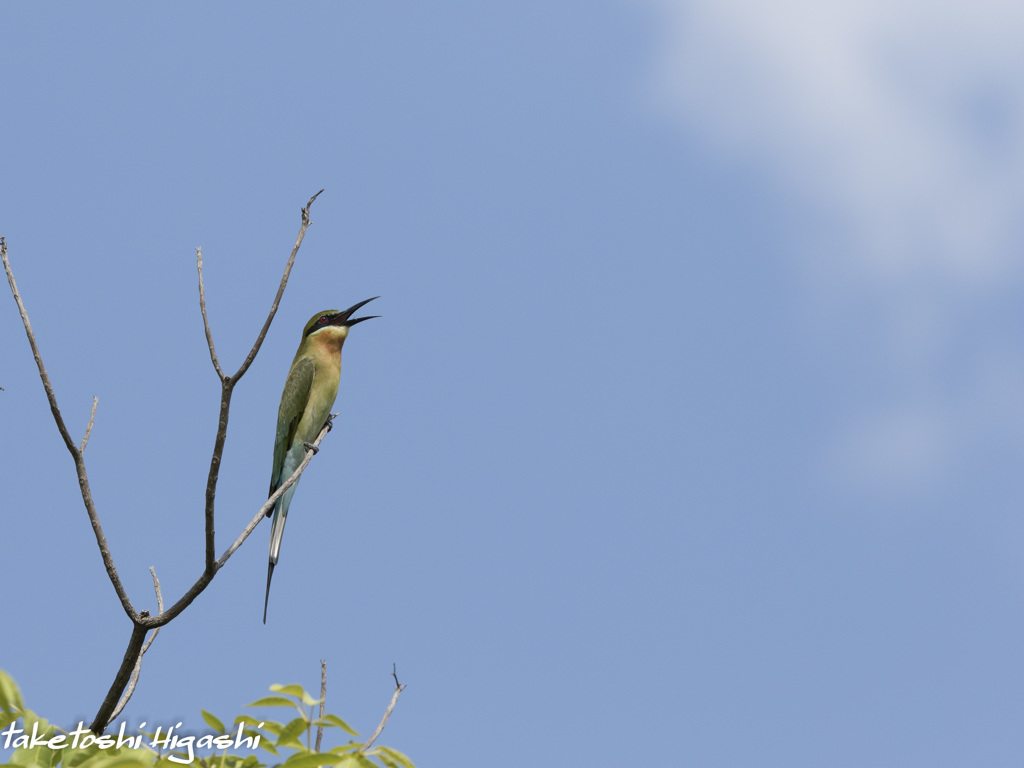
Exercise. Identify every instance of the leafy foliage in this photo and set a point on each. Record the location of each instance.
(39, 744)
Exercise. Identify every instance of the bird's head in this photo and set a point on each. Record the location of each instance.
(333, 325)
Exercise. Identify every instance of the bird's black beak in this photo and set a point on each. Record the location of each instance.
(343, 318)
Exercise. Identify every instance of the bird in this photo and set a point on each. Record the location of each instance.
(309, 393)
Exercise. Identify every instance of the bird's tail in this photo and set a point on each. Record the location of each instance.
(276, 535)
(277, 531)
(270, 573)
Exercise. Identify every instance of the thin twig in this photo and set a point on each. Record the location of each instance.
(272, 500)
(138, 663)
(280, 290)
(35, 351)
(202, 308)
(144, 621)
(387, 713)
(323, 701)
(76, 454)
(88, 429)
(159, 605)
(227, 386)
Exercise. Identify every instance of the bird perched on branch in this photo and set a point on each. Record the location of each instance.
(306, 401)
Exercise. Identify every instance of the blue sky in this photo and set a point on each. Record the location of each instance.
(693, 426)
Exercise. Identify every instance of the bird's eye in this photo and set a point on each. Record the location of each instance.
(322, 319)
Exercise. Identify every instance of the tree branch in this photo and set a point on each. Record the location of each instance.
(76, 454)
(194, 591)
(147, 622)
(227, 386)
(202, 308)
(387, 713)
(138, 662)
(132, 653)
(211, 480)
(50, 396)
(128, 672)
(323, 702)
(88, 429)
(272, 500)
(280, 290)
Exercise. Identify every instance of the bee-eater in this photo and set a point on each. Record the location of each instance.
(306, 401)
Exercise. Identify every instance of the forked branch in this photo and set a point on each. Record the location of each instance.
(387, 713)
(76, 453)
(128, 673)
(138, 662)
(228, 382)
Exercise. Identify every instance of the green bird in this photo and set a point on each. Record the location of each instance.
(306, 401)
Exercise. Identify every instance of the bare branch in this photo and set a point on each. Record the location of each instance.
(76, 454)
(132, 655)
(138, 662)
(159, 606)
(323, 702)
(88, 429)
(272, 500)
(127, 674)
(35, 351)
(227, 385)
(211, 479)
(194, 591)
(387, 713)
(280, 290)
(202, 308)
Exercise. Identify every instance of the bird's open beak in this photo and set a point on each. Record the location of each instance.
(343, 318)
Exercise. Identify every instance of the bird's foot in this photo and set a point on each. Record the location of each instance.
(311, 447)
(330, 422)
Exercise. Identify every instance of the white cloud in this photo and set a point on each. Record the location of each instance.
(903, 119)
(901, 123)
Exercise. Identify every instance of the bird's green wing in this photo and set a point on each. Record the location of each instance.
(293, 404)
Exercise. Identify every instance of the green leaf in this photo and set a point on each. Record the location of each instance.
(10, 696)
(40, 756)
(115, 759)
(343, 748)
(212, 721)
(312, 760)
(291, 732)
(268, 725)
(236, 761)
(396, 756)
(294, 689)
(272, 701)
(92, 756)
(337, 721)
